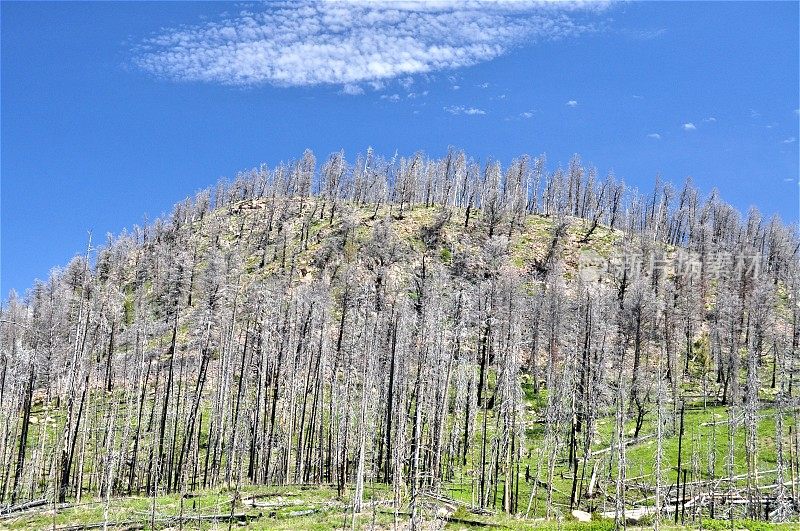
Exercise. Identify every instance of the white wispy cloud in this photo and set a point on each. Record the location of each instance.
(391, 97)
(689, 126)
(460, 109)
(790, 140)
(349, 42)
(526, 115)
(754, 114)
(352, 90)
(572, 103)
(709, 120)
(655, 136)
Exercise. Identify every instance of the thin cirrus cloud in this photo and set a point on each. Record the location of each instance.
(460, 109)
(352, 90)
(654, 136)
(348, 42)
(689, 126)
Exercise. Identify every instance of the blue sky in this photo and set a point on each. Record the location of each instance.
(112, 112)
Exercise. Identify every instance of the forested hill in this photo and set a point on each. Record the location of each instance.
(416, 331)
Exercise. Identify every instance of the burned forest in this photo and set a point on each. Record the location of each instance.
(419, 340)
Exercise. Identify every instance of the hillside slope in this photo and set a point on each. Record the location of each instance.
(431, 334)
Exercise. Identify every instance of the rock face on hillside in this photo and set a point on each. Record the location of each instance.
(512, 335)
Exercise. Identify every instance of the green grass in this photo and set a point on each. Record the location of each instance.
(285, 508)
(640, 456)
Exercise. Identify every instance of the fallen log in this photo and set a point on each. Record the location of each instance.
(37, 509)
(9, 509)
(636, 514)
(465, 521)
(171, 520)
(455, 503)
(629, 442)
(251, 502)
